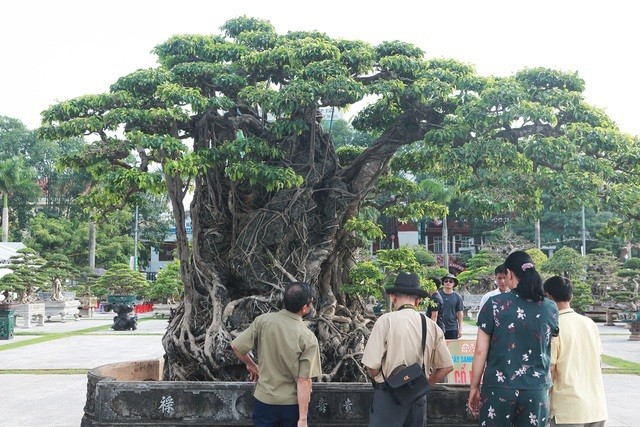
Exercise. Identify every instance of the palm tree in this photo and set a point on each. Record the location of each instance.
(14, 176)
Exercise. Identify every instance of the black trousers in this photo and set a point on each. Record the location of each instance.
(385, 412)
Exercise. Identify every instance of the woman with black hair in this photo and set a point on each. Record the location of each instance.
(512, 354)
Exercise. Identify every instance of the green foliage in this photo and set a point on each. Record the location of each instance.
(484, 258)
(538, 257)
(366, 278)
(396, 260)
(86, 278)
(344, 135)
(371, 277)
(348, 153)
(565, 262)
(121, 280)
(602, 268)
(27, 276)
(632, 263)
(626, 272)
(423, 256)
(366, 229)
(479, 275)
(59, 267)
(168, 285)
(70, 237)
(581, 296)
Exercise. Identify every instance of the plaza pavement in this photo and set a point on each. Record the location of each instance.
(32, 399)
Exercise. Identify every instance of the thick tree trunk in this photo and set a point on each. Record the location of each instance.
(248, 243)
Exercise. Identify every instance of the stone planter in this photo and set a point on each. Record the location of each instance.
(121, 299)
(62, 309)
(88, 305)
(130, 393)
(28, 311)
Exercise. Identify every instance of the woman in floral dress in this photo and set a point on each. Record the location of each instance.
(512, 355)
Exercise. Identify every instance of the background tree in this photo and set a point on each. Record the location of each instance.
(27, 276)
(15, 177)
(569, 263)
(602, 267)
(154, 223)
(59, 270)
(626, 292)
(538, 257)
(479, 276)
(70, 237)
(168, 285)
(121, 280)
(565, 262)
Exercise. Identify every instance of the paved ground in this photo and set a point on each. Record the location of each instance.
(57, 400)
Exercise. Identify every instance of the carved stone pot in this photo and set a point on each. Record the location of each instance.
(62, 308)
(131, 393)
(30, 310)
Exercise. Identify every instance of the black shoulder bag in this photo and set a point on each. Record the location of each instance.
(408, 383)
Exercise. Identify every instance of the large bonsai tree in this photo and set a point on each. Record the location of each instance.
(237, 118)
(27, 277)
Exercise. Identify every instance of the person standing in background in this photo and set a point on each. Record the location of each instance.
(434, 305)
(452, 308)
(577, 394)
(501, 283)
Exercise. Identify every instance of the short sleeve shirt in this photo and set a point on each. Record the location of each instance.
(577, 396)
(520, 345)
(395, 340)
(451, 305)
(286, 350)
(436, 300)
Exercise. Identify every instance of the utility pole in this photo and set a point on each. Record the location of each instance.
(584, 235)
(135, 242)
(445, 243)
(92, 245)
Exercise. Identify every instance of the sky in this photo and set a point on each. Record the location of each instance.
(57, 50)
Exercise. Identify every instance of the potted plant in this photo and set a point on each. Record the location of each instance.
(58, 269)
(122, 284)
(24, 281)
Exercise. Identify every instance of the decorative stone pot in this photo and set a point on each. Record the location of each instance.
(62, 309)
(131, 393)
(29, 310)
(7, 321)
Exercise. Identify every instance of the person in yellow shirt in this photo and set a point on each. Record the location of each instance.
(577, 395)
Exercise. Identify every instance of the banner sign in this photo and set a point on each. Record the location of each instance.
(462, 354)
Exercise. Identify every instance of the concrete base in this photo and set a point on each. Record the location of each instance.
(28, 311)
(62, 309)
(130, 393)
(635, 331)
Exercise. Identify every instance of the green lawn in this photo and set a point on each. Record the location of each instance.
(620, 366)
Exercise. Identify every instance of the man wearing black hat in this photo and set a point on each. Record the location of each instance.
(395, 340)
(452, 308)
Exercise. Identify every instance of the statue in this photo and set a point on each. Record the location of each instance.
(125, 319)
(57, 290)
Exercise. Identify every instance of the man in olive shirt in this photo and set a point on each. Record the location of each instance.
(289, 357)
